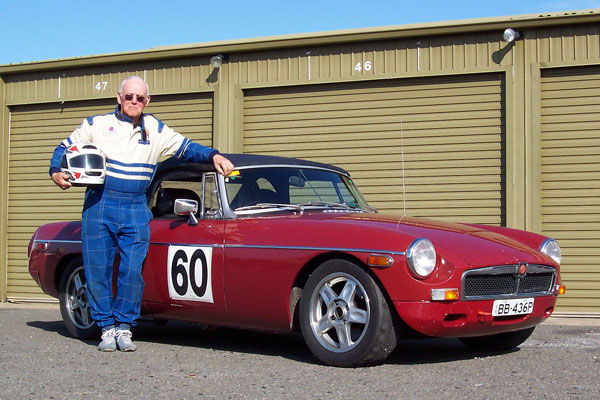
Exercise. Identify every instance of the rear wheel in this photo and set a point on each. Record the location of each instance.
(344, 317)
(74, 303)
(498, 342)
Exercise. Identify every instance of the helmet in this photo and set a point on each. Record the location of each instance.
(84, 163)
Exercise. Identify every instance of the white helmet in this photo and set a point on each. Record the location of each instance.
(84, 163)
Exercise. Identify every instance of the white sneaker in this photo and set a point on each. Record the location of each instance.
(108, 339)
(123, 335)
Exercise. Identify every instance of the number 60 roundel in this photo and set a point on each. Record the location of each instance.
(188, 273)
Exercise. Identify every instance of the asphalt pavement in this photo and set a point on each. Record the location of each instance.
(39, 360)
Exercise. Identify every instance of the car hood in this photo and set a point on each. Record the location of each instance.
(458, 243)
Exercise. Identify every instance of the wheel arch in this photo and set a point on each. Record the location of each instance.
(60, 268)
(308, 269)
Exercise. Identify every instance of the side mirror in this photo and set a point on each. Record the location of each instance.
(187, 207)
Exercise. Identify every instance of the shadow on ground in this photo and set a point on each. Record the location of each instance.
(288, 345)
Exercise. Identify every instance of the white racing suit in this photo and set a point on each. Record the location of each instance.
(116, 215)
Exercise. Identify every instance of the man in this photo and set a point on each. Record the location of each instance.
(116, 215)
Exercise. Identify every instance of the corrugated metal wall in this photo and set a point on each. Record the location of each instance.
(461, 104)
(32, 197)
(570, 130)
(447, 130)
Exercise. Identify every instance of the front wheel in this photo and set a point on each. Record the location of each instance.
(499, 342)
(74, 303)
(344, 317)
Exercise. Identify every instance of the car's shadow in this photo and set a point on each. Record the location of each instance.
(291, 346)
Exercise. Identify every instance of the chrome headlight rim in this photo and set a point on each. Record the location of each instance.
(551, 248)
(421, 258)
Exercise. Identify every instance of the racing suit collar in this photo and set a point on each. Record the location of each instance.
(123, 117)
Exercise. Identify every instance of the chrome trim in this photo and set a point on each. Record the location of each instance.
(410, 261)
(185, 244)
(239, 246)
(56, 241)
(545, 244)
(509, 269)
(267, 247)
(235, 246)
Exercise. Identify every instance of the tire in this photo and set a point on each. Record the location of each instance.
(344, 317)
(500, 342)
(74, 304)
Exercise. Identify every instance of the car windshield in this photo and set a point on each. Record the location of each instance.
(291, 188)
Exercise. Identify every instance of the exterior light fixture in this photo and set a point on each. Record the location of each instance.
(510, 35)
(217, 61)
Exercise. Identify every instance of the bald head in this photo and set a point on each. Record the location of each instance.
(133, 97)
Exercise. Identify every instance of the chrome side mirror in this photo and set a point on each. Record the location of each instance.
(187, 207)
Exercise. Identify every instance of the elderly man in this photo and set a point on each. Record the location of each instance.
(116, 215)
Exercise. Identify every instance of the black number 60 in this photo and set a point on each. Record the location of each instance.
(178, 268)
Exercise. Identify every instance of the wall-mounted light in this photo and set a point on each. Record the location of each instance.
(510, 35)
(217, 61)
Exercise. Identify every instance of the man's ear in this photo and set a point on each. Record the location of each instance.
(119, 98)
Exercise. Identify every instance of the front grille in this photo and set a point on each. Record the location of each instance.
(506, 281)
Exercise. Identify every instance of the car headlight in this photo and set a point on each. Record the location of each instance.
(551, 248)
(421, 257)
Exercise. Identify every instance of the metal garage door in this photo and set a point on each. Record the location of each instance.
(571, 179)
(448, 130)
(35, 130)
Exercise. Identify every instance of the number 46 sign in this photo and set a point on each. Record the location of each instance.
(189, 273)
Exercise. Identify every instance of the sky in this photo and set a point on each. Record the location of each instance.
(40, 30)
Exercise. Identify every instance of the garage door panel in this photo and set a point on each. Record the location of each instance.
(403, 123)
(584, 112)
(585, 161)
(421, 98)
(426, 105)
(414, 148)
(576, 96)
(33, 199)
(570, 138)
(373, 131)
(394, 138)
(570, 127)
(372, 115)
(436, 128)
(449, 86)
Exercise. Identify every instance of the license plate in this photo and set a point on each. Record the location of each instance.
(512, 307)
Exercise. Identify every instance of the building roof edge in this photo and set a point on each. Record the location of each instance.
(312, 39)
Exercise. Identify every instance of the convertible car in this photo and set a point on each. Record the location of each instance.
(290, 245)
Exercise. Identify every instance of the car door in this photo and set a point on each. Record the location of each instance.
(183, 270)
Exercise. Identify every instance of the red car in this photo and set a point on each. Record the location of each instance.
(285, 245)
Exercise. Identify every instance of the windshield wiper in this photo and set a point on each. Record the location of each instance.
(332, 204)
(262, 206)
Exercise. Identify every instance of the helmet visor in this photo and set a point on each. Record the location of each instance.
(87, 161)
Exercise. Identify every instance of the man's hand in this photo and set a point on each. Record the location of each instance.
(61, 180)
(222, 165)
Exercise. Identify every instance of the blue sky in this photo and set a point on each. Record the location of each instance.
(36, 30)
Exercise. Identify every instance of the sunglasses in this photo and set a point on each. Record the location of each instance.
(140, 99)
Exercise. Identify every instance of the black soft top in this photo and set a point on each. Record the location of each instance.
(244, 160)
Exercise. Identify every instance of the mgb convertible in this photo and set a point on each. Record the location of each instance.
(287, 245)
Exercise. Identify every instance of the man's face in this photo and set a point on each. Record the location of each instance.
(133, 99)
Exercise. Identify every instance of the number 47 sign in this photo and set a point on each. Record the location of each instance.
(189, 273)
